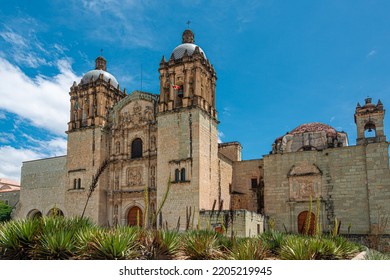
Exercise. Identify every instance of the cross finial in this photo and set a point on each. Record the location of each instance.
(188, 24)
(101, 52)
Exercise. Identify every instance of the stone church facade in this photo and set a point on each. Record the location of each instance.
(156, 160)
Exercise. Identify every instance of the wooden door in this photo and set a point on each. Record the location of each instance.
(302, 218)
(135, 217)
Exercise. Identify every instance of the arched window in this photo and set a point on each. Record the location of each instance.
(79, 183)
(177, 175)
(183, 175)
(75, 183)
(369, 130)
(136, 148)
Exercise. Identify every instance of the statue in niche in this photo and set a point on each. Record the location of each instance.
(148, 114)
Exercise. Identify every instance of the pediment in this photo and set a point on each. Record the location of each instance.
(304, 169)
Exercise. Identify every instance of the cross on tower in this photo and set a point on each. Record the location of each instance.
(188, 24)
(101, 52)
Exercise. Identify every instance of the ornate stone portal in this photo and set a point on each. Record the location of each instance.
(304, 182)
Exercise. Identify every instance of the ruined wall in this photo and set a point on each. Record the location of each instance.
(240, 223)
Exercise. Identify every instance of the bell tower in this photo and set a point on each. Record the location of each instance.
(187, 133)
(369, 121)
(88, 139)
(187, 79)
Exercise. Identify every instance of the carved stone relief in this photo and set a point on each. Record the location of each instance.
(134, 176)
(304, 182)
(137, 116)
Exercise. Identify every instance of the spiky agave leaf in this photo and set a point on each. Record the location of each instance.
(202, 245)
(18, 238)
(248, 249)
(58, 245)
(114, 244)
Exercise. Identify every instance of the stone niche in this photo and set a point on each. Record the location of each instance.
(304, 182)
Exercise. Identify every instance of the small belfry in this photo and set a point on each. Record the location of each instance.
(187, 78)
(369, 121)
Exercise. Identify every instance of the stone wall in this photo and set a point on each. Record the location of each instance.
(42, 186)
(352, 183)
(244, 194)
(10, 198)
(231, 150)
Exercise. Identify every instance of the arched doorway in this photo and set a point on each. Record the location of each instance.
(304, 218)
(135, 217)
(34, 214)
(55, 212)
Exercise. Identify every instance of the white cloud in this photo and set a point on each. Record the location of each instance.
(11, 161)
(6, 138)
(220, 136)
(12, 158)
(43, 100)
(25, 51)
(371, 53)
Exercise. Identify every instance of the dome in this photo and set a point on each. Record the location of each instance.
(95, 74)
(313, 136)
(314, 127)
(178, 52)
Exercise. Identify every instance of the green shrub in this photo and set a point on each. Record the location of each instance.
(5, 212)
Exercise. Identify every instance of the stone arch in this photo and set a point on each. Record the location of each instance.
(135, 216)
(55, 212)
(304, 218)
(33, 214)
(369, 129)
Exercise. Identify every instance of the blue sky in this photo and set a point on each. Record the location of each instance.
(279, 63)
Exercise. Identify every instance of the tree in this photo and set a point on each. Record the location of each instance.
(5, 212)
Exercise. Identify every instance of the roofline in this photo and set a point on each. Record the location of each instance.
(43, 159)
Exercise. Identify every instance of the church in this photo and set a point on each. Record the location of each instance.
(152, 159)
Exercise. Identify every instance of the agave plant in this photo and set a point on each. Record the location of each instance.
(248, 249)
(376, 255)
(272, 240)
(295, 248)
(160, 244)
(202, 245)
(119, 243)
(18, 238)
(59, 245)
(344, 249)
